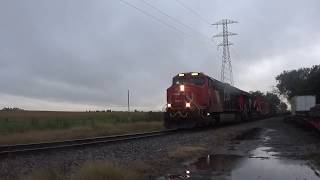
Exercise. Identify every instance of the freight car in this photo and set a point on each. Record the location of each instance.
(195, 99)
(315, 117)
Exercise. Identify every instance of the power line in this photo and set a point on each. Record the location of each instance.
(173, 18)
(167, 15)
(163, 22)
(128, 100)
(151, 16)
(193, 12)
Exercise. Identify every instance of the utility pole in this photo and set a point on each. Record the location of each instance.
(226, 69)
(128, 100)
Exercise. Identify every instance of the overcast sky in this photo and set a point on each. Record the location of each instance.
(80, 54)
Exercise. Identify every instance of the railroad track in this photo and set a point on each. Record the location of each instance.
(37, 147)
(43, 146)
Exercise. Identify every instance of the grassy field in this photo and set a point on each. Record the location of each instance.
(91, 170)
(185, 152)
(35, 126)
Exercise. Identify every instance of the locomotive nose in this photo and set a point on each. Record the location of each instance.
(180, 97)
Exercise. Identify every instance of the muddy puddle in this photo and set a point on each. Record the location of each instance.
(261, 163)
(252, 134)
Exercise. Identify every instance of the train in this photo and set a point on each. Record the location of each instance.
(195, 99)
(314, 117)
(305, 111)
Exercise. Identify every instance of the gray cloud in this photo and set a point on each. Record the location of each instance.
(88, 53)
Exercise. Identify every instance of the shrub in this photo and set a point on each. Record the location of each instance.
(103, 171)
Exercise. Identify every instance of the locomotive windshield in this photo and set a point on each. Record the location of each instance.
(199, 81)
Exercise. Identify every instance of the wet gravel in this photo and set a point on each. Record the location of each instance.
(291, 140)
(271, 150)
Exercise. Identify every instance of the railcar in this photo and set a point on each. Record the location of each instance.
(195, 99)
(314, 117)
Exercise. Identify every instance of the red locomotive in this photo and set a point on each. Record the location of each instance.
(197, 99)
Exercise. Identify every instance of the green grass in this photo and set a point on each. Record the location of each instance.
(32, 126)
(98, 170)
(17, 122)
(184, 152)
(43, 175)
(314, 158)
(104, 171)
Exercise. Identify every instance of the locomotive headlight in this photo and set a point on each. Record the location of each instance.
(182, 88)
(188, 105)
(169, 105)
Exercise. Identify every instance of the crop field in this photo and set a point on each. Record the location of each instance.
(35, 126)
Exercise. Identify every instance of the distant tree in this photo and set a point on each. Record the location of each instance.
(274, 101)
(304, 81)
(314, 81)
(283, 107)
(273, 98)
(11, 109)
(257, 93)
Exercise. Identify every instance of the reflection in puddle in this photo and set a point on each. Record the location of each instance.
(251, 134)
(263, 153)
(260, 165)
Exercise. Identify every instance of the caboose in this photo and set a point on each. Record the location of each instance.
(195, 99)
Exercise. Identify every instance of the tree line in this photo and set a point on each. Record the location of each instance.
(290, 83)
(303, 81)
(11, 109)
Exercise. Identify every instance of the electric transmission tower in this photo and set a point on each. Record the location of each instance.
(226, 69)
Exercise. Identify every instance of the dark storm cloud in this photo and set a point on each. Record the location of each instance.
(91, 52)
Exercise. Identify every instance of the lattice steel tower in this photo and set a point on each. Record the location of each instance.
(226, 69)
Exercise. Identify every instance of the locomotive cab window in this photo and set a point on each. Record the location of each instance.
(199, 81)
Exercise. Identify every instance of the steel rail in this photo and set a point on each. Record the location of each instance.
(42, 146)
